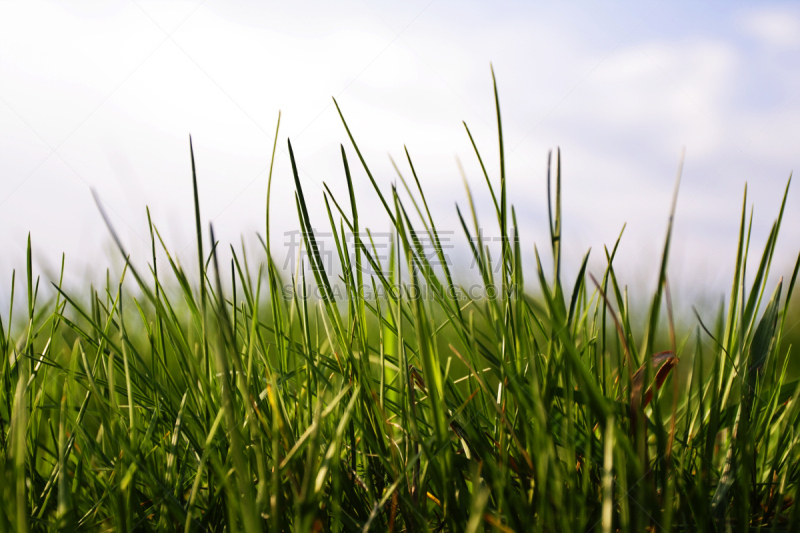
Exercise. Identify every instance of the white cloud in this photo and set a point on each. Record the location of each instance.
(776, 27)
(620, 108)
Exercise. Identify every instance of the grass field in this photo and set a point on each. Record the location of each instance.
(235, 404)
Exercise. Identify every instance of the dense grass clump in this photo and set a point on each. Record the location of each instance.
(243, 406)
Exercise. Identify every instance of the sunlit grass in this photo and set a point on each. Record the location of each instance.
(237, 406)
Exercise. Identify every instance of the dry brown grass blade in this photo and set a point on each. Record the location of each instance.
(664, 361)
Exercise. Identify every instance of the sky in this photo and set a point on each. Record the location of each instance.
(105, 96)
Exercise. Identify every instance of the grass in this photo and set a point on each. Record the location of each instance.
(240, 406)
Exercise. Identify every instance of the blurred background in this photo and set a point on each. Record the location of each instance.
(104, 95)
